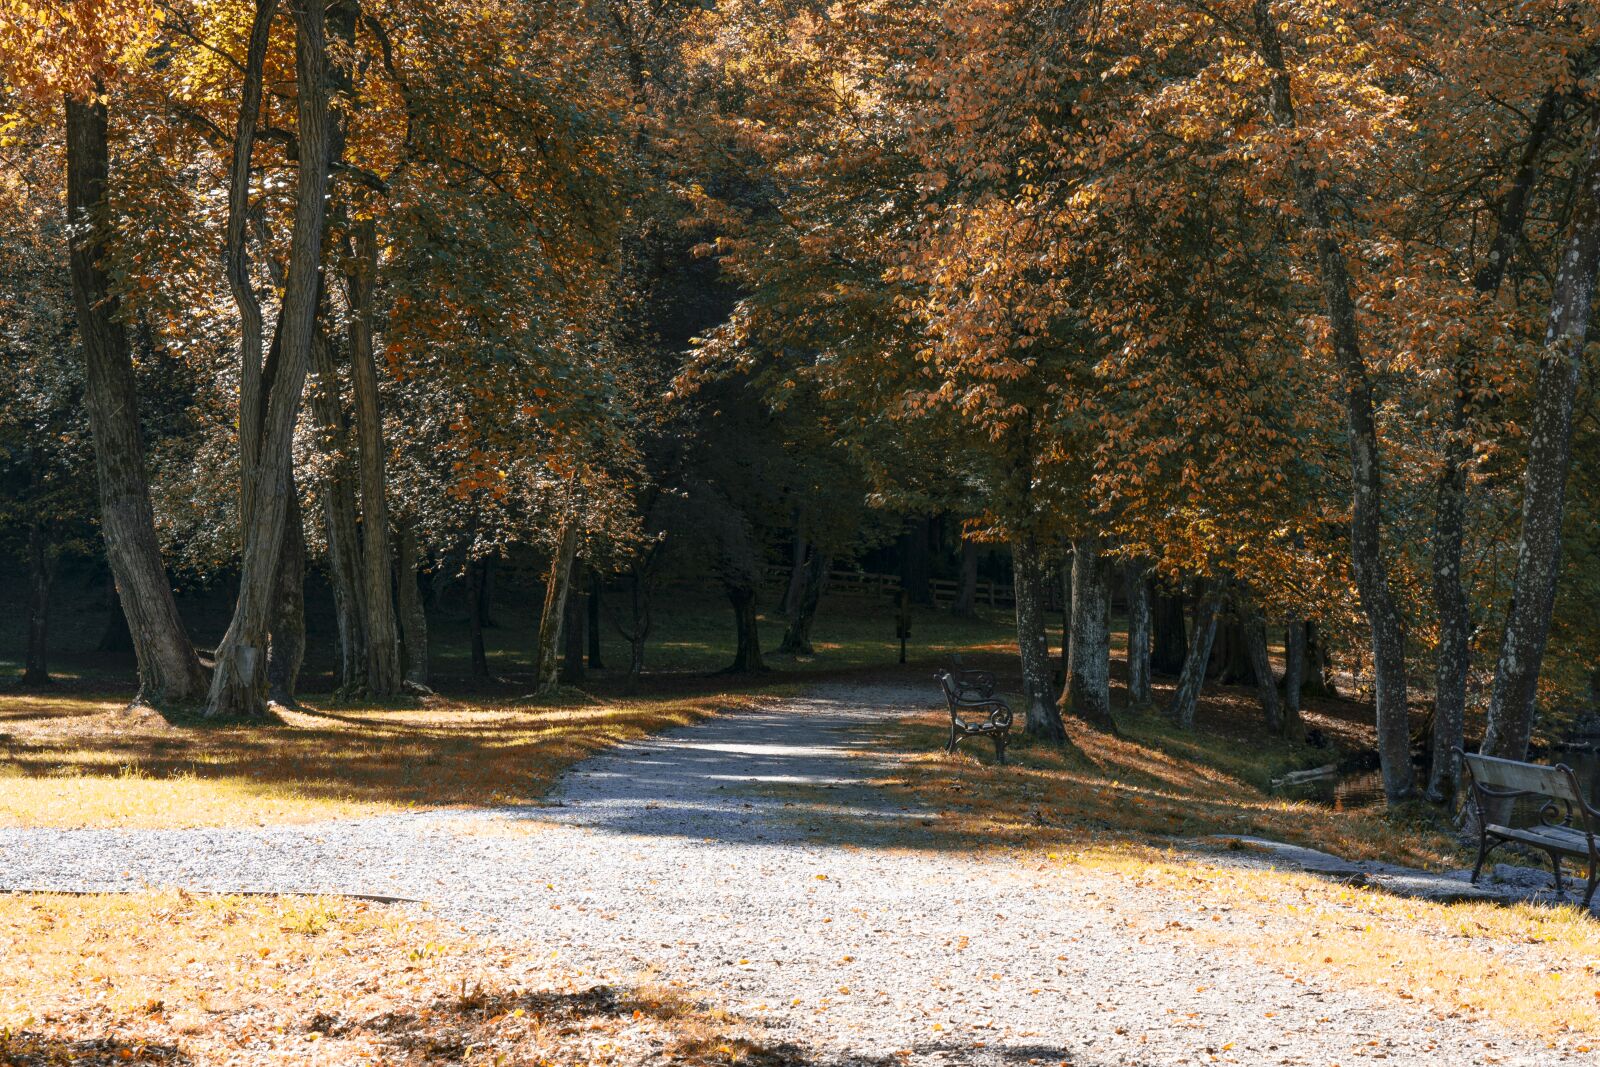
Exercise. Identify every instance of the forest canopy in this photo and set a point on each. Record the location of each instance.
(1245, 317)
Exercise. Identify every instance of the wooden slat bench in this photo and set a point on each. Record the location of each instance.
(968, 692)
(1567, 825)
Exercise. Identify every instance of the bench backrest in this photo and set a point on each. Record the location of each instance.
(952, 692)
(1503, 777)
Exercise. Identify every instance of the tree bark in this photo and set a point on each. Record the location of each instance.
(1230, 652)
(556, 588)
(797, 567)
(1266, 683)
(339, 515)
(169, 669)
(413, 619)
(1088, 690)
(238, 687)
(574, 631)
(1171, 642)
(803, 610)
(42, 557)
(1453, 658)
(287, 641)
(1042, 718)
(915, 566)
(1186, 699)
(383, 635)
(477, 592)
(1139, 690)
(1294, 675)
(1509, 725)
(1387, 624)
(966, 603)
(747, 655)
(596, 589)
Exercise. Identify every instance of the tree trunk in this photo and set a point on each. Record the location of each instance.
(115, 638)
(596, 590)
(1186, 700)
(1230, 652)
(1453, 658)
(1294, 675)
(639, 605)
(339, 515)
(747, 656)
(238, 687)
(1266, 683)
(1509, 725)
(814, 576)
(287, 642)
(477, 592)
(574, 632)
(557, 586)
(169, 669)
(1387, 624)
(1042, 718)
(1319, 668)
(797, 568)
(383, 634)
(1171, 641)
(966, 604)
(413, 619)
(1088, 689)
(42, 557)
(916, 572)
(1139, 691)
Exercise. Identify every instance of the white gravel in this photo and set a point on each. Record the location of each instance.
(702, 856)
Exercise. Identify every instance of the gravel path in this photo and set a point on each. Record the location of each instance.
(703, 855)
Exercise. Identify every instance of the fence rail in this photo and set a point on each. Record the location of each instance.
(850, 582)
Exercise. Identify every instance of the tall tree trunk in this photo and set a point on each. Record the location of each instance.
(802, 612)
(413, 619)
(1088, 690)
(1453, 658)
(797, 566)
(1186, 699)
(238, 687)
(639, 632)
(169, 669)
(1233, 665)
(339, 515)
(477, 592)
(966, 603)
(1042, 718)
(1294, 675)
(1509, 726)
(916, 572)
(1139, 691)
(383, 634)
(556, 588)
(747, 655)
(574, 630)
(1266, 683)
(287, 641)
(42, 556)
(1320, 679)
(1387, 624)
(596, 590)
(1171, 641)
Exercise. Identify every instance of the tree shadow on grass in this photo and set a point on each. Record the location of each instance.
(26, 1049)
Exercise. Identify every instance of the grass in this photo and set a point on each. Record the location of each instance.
(86, 761)
(173, 978)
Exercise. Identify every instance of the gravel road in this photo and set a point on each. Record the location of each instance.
(704, 856)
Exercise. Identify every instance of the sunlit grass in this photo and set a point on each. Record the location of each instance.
(173, 977)
(72, 761)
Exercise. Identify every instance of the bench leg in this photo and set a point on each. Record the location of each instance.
(1555, 865)
(1594, 879)
(1483, 851)
(954, 737)
(1000, 748)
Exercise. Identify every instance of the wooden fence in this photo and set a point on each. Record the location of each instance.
(848, 582)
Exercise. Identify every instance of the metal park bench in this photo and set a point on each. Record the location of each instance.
(974, 709)
(1564, 825)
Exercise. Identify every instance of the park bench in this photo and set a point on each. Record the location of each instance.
(974, 709)
(1565, 824)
